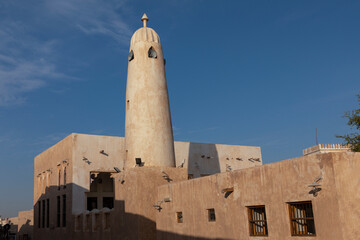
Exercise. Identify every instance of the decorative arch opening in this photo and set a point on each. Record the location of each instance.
(131, 55)
(152, 53)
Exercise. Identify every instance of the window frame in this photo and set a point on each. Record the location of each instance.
(252, 222)
(293, 220)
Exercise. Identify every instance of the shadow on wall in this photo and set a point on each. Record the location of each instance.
(59, 223)
(53, 212)
(25, 231)
(203, 160)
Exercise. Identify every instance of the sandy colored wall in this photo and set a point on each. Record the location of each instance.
(89, 146)
(70, 152)
(46, 168)
(272, 185)
(25, 224)
(347, 176)
(14, 221)
(206, 158)
(133, 216)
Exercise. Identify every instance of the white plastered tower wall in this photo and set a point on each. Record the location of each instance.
(148, 128)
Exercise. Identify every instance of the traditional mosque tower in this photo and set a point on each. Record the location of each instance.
(148, 130)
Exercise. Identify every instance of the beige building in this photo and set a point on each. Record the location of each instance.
(77, 175)
(146, 186)
(316, 197)
(25, 225)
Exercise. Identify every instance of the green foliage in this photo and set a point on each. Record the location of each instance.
(353, 139)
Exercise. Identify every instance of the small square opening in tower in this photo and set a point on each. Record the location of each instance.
(211, 215)
(179, 217)
(139, 162)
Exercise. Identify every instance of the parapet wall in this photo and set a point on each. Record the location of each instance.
(326, 148)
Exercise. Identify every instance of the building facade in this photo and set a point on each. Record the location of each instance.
(76, 176)
(146, 186)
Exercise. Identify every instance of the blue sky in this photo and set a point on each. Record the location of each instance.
(258, 73)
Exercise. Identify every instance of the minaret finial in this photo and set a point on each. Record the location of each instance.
(144, 19)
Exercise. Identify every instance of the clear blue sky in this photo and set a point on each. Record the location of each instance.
(259, 73)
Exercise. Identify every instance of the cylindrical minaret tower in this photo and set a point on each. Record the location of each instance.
(148, 130)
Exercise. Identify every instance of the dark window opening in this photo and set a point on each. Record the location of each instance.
(47, 213)
(301, 219)
(39, 214)
(43, 214)
(131, 55)
(64, 211)
(91, 203)
(58, 211)
(152, 53)
(190, 176)
(139, 162)
(257, 221)
(108, 202)
(211, 215)
(179, 217)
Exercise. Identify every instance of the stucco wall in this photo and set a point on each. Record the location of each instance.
(46, 185)
(133, 216)
(25, 224)
(80, 153)
(272, 185)
(207, 158)
(89, 147)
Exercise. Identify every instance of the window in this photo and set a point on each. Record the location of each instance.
(152, 53)
(43, 214)
(131, 55)
(64, 211)
(47, 213)
(108, 202)
(301, 219)
(211, 215)
(91, 203)
(58, 211)
(138, 162)
(39, 214)
(179, 217)
(257, 221)
(64, 177)
(190, 176)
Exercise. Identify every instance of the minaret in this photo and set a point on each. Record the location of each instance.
(148, 130)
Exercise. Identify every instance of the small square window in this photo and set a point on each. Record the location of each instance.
(179, 217)
(257, 221)
(211, 215)
(301, 219)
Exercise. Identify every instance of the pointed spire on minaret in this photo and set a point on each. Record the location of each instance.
(144, 19)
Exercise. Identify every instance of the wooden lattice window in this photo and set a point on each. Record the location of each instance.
(257, 221)
(301, 219)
